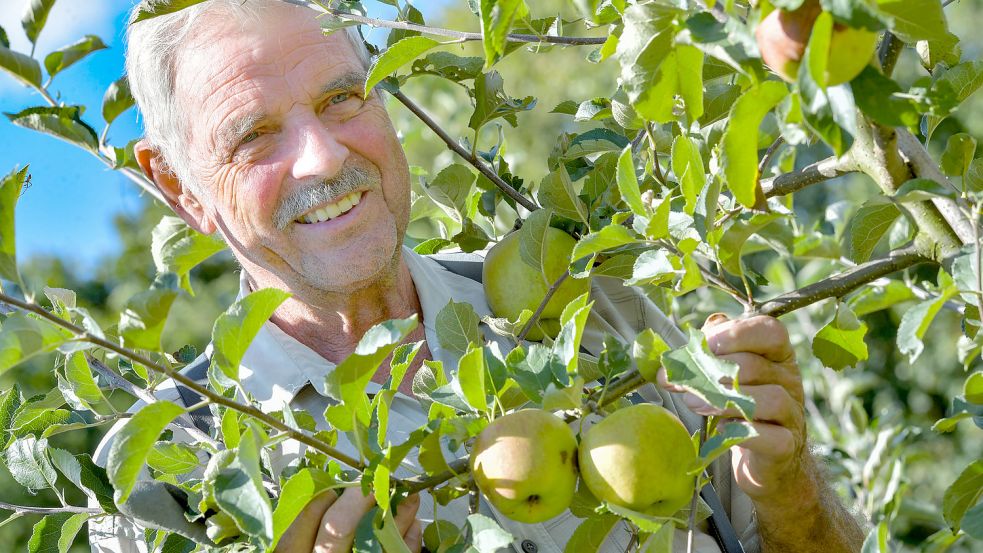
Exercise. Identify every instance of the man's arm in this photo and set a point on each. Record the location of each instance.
(795, 508)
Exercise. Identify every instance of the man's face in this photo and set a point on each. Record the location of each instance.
(282, 140)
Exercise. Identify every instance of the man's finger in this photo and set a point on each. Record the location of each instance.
(755, 370)
(337, 530)
(299, 537)
(765, 336)
(773, 404)
(414, 537)
(406, 513)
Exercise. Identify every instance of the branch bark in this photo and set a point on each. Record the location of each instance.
(818, 172)
(466, 155)
(49, 510)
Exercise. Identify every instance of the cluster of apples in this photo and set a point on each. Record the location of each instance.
(527, 463)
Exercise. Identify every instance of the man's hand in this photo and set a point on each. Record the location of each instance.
(328, 523)
(796, 510)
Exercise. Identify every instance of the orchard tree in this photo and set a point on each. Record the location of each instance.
(682, 180)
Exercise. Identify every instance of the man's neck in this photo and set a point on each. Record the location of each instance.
(332, 324)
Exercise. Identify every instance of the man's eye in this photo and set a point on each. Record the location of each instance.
(339, 98)
(249, 137)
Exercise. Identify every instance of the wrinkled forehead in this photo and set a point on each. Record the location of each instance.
(234, 65)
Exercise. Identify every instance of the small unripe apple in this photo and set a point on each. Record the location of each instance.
(638, 457)
(512, 285)
(782, 37)
(525, 465)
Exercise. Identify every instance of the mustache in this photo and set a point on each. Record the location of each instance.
(321, 191)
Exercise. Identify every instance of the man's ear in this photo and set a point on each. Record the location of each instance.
(181, 199)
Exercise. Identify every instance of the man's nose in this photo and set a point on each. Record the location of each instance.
(318, 153)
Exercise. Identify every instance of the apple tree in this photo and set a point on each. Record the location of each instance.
(694, 177)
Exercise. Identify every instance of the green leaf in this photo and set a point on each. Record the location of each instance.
(687, 165)
(732, 242)
(497, 19)
(457, 327)
(533, 238)
(728, 436)
(868, 227)
(117, 100)
(964, 493)
(491, 101)
(661, 540)
(61, 122)
(239, 490)
(628, 182)
(23, 336)
(144, 315)
(882, 99)
(163, 7)
(649, 65)
(62, 58)
(10, 190)
(556, 192)
(916, 320)
(235, 329)
(35, 16)
(471, 378)
(173, 458)
(396, 56)
(877, 540)
(9, 403)
(958, 154)
(915, 19)
(297, 492)
(840, 343)
(23, 67)
(699, 371)
(132, 444)
(27, 461)
(47, 532)
(69, 529)
(451, 189)
(875, 298)
(80, 379)
(486, 535)
(817, 54)
(431, 246)
(611, 236)
(973, 388)
(591, 533)
(449, 66)
(739, 154)
(177, 248)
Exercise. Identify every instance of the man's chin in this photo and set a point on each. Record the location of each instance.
(356, 273)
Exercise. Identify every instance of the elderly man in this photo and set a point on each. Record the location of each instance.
(257, 128)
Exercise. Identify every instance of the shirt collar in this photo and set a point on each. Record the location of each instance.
(276, 366)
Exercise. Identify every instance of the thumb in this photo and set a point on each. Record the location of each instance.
(715, 319)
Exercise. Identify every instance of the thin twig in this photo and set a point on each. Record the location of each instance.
(49, 510)
(187, 382)
(542, 306)
(821, 171)
(691, 527)
(407, 26)
(457, 149)
(770, 154)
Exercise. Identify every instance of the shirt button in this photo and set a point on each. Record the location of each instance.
(529, 546)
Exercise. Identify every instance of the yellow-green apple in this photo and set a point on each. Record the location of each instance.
(782, 37)
(525, 464)
(512, 285)
(638, 457)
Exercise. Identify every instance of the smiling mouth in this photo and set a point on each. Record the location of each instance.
(331, 211)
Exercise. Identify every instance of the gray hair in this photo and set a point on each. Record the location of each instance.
(151, 68)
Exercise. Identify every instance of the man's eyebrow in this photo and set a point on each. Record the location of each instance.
(348, 81)
(234, 129)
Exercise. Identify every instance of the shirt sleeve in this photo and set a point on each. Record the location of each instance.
(623, 312)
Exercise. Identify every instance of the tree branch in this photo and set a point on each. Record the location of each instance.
(542, 306)
(187, 382)
(888, 52)
(457, 149)
(461, 35)
(842, 284)
(821, 171)
(49, 510)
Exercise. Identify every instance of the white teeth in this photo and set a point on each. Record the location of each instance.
(331, 211)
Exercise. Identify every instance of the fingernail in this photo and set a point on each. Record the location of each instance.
(716, 319)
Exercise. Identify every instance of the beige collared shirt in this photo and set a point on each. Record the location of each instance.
(278, 370)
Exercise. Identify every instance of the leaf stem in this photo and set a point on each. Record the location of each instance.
(457, 149)
(25, 509)
(691, 526)
(542, 306)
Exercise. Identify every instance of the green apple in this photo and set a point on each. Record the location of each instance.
(525, 464)
(638, 458)
(782, 37)
(512, 285)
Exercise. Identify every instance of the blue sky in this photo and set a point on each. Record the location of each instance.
(68, 210)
